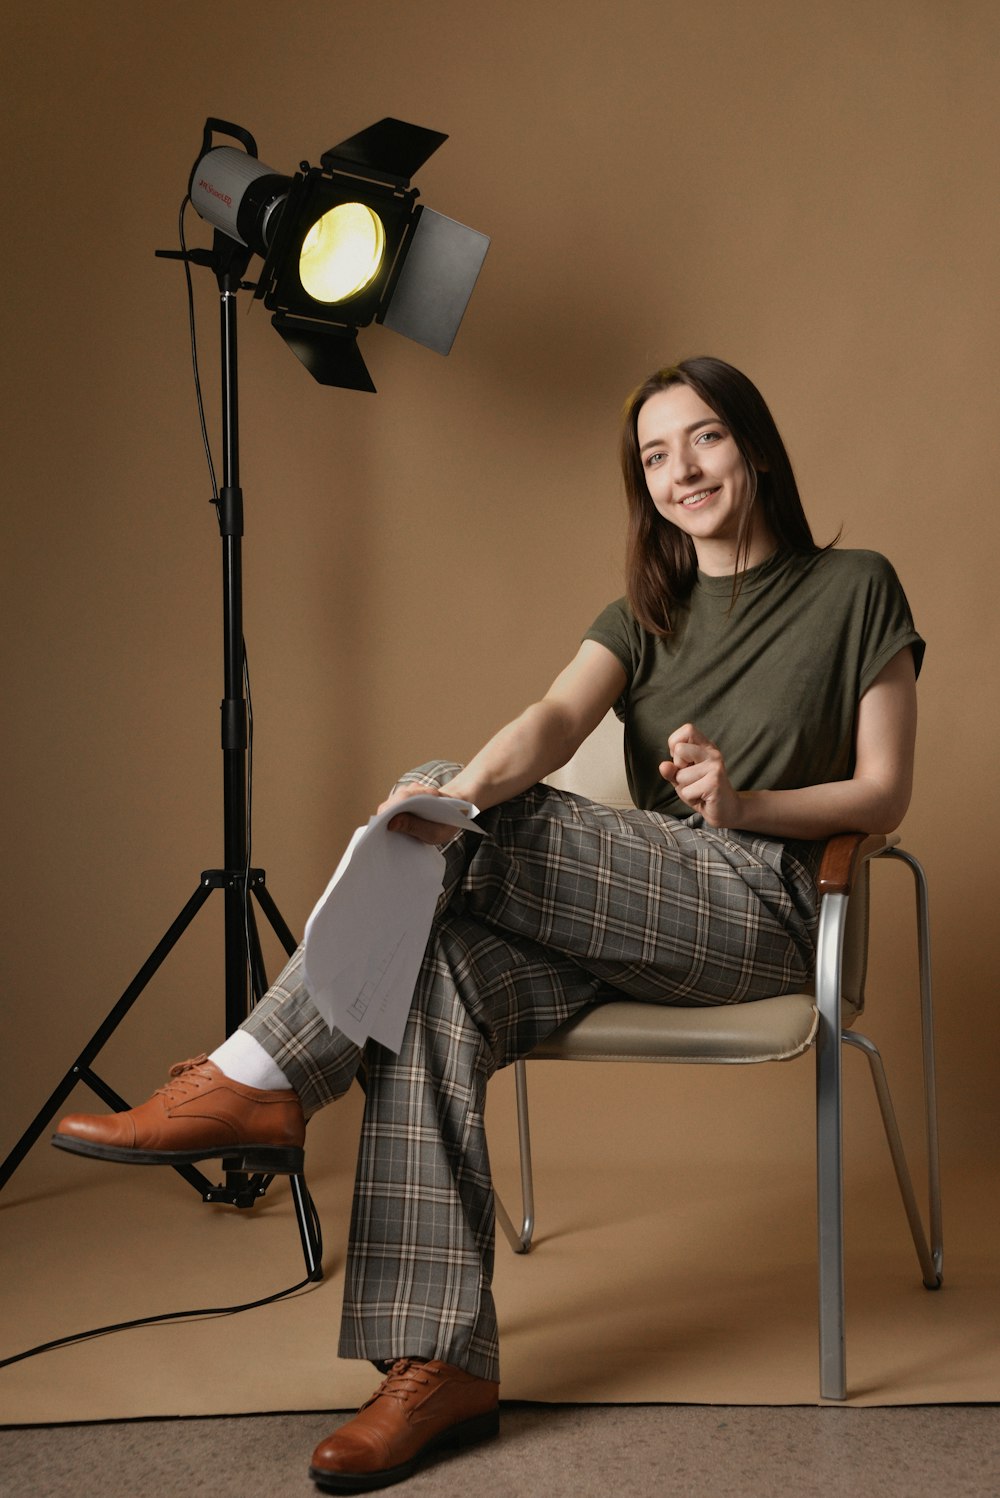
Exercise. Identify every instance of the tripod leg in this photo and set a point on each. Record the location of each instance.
(305, 1216)
(274, 916)
(244, 1190)
(38, 1123)
(258, 972)
(305, 1212)
(80, 1070)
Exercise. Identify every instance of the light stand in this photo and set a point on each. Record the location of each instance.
(344, 244)
(243, 956)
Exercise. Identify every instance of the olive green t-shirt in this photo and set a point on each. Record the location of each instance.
(774, 681)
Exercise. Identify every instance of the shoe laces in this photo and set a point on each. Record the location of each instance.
(184, 1077)
(405, 1378)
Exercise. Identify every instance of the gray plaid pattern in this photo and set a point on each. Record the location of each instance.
(562, 900)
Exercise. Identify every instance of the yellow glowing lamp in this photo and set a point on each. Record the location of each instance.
(344, 244)
(342, 253)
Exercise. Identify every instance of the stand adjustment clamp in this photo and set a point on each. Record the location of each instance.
(234, 723)
(230, 508)
(233, 878)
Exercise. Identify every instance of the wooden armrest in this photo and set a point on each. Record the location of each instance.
(843, 857)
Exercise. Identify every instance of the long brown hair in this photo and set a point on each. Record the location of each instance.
(660, 560)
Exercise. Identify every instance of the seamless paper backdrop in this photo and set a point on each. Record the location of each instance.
(805, 191)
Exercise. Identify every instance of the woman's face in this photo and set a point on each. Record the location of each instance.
(696, 476)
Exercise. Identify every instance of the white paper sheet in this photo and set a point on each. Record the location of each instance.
(367, 935)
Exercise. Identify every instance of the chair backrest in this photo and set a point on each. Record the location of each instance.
(597, 770)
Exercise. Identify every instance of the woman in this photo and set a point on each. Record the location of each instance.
(767, 690)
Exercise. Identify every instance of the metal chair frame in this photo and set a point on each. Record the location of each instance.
(846, 858)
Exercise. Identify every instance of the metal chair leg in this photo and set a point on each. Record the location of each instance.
(829, 1126)
(520, 1241)
(829, 1149)
(309, 1228)
(930, 1078)
(930, 1263)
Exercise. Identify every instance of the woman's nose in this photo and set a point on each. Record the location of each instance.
(685, 463)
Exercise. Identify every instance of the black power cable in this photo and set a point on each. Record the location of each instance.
(204, 1313)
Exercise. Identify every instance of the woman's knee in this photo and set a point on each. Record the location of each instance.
(435, 774)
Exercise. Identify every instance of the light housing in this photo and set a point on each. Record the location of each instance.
(344, 244)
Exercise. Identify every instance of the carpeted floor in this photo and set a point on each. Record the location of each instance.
(561, 1451)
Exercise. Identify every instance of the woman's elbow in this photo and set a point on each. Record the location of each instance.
(888, 809)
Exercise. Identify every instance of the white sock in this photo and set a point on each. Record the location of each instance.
(243, 1059)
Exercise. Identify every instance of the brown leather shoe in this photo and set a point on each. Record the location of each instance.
(200, 1114)
(419, 1408)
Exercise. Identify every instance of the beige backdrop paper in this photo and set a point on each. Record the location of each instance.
(807, 191)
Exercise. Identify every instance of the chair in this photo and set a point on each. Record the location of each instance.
(775, 1029)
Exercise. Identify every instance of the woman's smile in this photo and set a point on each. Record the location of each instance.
(690, 500)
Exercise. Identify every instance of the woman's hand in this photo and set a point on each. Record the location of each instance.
(697, 772)
(424, 831)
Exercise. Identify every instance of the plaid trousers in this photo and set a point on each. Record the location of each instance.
(561, 901)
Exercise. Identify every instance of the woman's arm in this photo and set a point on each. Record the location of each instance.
(873, 800)
(540, 740)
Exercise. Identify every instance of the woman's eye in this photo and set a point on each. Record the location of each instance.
(710, 437)
(653, 459)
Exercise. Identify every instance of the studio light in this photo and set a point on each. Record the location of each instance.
(344, 243)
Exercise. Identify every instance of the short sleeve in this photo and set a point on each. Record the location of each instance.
(617, 631)
(888, 623)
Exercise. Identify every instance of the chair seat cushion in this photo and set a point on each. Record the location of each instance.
(623, 1030)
